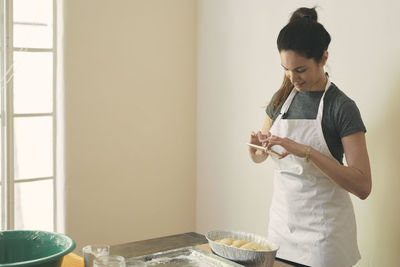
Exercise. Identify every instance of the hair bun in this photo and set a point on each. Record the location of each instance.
(304, 13)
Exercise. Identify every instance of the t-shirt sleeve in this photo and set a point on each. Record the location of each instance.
(349, 119)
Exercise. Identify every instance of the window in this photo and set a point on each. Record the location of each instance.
(30, 117)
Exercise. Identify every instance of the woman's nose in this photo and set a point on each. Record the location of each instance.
(294, 77)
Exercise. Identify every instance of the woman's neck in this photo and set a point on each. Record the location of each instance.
(320, 84)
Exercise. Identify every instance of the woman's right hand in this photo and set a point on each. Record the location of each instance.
(263, 138)
(258, 139)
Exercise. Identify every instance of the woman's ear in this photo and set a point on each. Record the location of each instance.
(324, 58)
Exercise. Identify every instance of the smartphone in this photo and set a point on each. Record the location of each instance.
(269, 151)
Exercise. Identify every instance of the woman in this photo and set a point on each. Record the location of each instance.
(311, 123)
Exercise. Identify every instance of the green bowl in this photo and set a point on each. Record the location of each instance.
(34, 248)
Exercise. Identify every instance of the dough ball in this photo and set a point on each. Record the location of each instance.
(238, 243)
(225, 241)
(254, 246)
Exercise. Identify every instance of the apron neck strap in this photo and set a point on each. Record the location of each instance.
(321, 102)
(288, 101)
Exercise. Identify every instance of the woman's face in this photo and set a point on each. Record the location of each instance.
(304, 73)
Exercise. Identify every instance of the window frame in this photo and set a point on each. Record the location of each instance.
(7, 121)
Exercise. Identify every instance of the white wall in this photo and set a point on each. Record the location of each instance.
(130, 101)
(239, 70)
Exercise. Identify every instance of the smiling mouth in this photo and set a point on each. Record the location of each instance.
(299, 84)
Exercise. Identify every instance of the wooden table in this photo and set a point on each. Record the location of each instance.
(145, 247)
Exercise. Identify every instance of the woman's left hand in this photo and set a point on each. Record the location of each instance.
(289, 145)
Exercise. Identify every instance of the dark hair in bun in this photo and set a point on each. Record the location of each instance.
(304, 35)
(304, 12)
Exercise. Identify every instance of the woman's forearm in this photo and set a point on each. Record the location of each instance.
(349, 178)
(355, 178)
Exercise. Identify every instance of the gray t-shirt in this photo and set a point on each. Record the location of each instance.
(340, 117)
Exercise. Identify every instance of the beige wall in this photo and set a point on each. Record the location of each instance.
(130, 103)
(239, 70)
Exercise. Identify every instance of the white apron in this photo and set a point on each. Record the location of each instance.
(311, 218)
